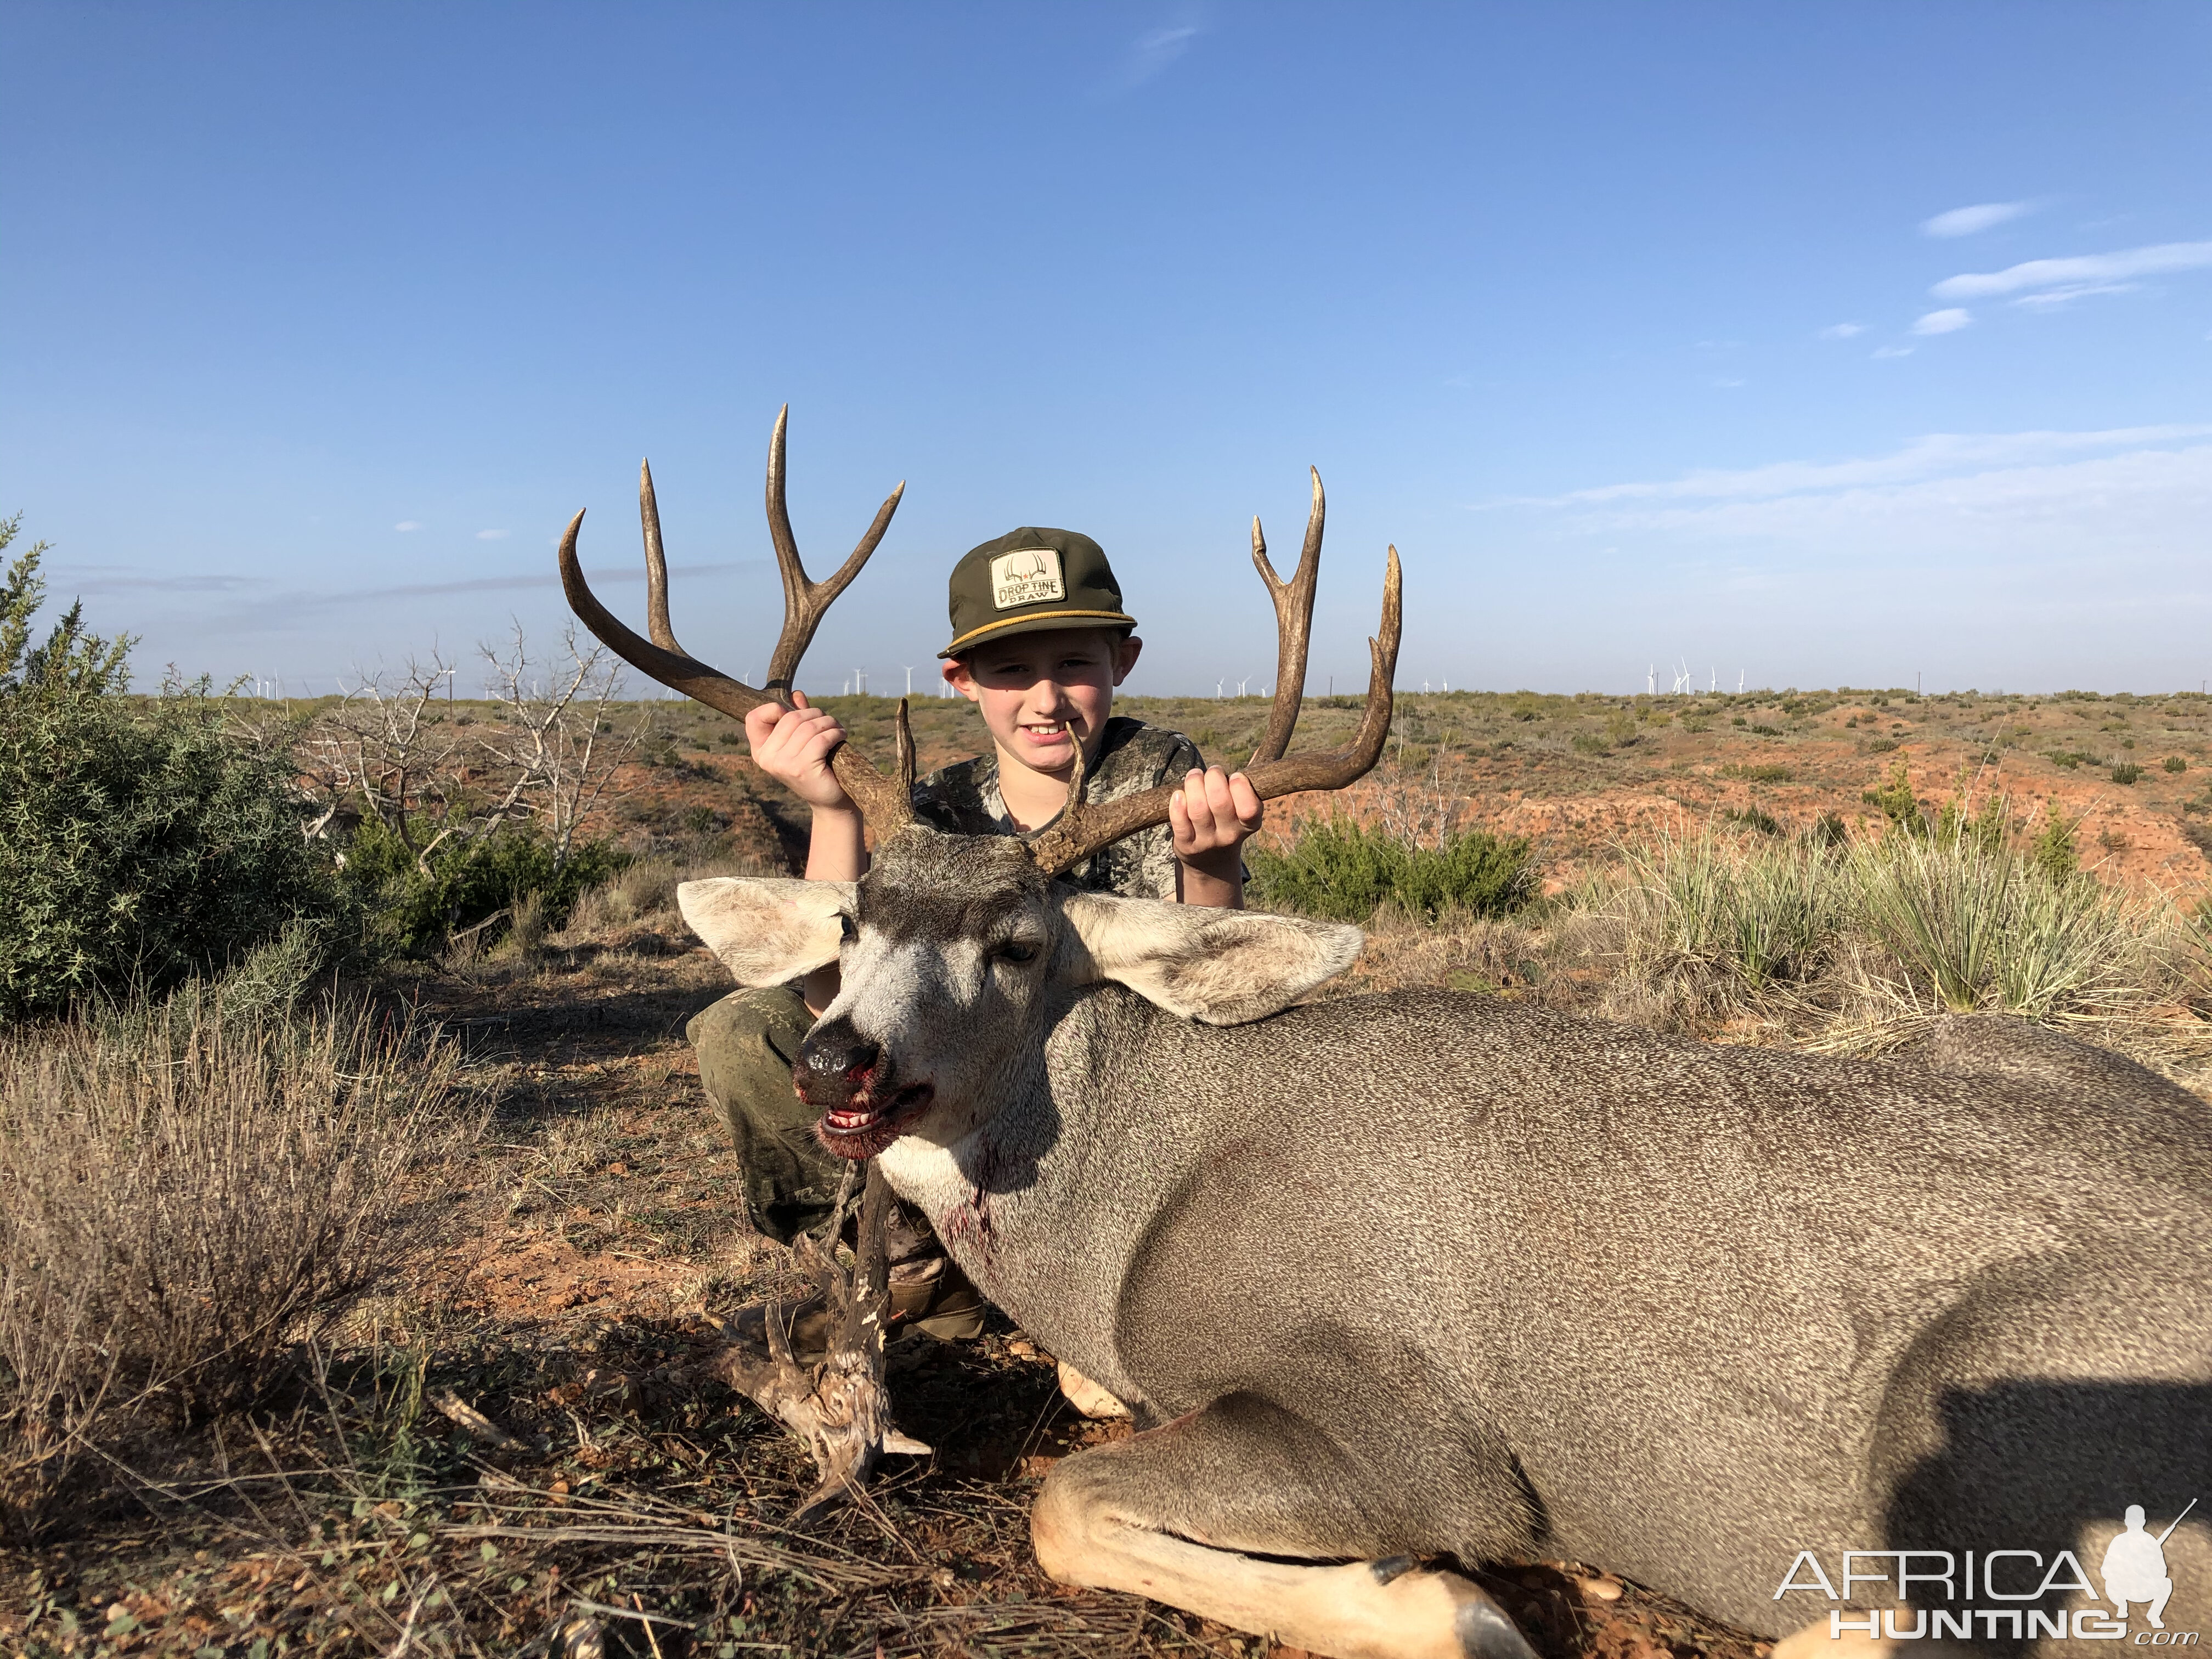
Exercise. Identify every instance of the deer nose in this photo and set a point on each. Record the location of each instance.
(849, 1059)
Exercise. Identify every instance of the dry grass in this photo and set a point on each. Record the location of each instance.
(188, 1195)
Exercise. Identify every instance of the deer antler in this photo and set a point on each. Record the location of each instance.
(1294, 603)
(885, 805)
(1083, 830)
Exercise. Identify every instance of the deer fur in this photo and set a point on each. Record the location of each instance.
(1423, 1274)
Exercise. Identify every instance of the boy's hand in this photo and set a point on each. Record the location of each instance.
(1212, 816)
(792, 747)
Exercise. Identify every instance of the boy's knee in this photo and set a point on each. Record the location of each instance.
(746, 1044)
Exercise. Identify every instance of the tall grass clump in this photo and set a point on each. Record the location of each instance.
(191, 1192)
(1949, 911)
(1975, 925)
(141, 840)
(1740, 917)
(1338, 870)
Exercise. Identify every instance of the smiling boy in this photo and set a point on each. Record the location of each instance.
(1039, 642)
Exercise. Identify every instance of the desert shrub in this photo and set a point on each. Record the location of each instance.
(1338, 869)
(140, 840)
(193, 1186)
(2174, 763)
(1753, 817)
(2052, 850)
(1759, 774)
(1590, 743)
(1896, 802)
(2127, 772)
(416, 903)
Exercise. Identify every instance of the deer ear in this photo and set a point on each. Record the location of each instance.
(1222, 967)
(767, 931)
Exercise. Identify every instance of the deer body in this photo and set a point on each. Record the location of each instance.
(1423, 1274)
(1539, 1285)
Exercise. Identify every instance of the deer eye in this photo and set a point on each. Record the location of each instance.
(1014, 951)
(849, 930)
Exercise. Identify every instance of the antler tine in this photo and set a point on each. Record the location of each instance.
(1084, 830)
(672, 668)
(885, 805)
(656, 564)
(904, 733)
(805, 602)
(1294, 603)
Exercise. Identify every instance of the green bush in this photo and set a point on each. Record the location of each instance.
(2174, 763)
(1895, 801)
(1344, 872)
(140, 841)
(2126, 773)
(413, 911)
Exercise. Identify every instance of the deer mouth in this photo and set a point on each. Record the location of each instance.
(864, 1125)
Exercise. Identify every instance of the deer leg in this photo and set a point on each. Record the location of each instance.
(1183, 1513)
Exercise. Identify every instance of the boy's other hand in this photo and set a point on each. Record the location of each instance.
(1212, 815)
(792, 747)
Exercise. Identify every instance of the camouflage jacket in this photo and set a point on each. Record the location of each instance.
(963, 798)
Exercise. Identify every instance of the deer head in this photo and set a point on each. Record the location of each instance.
(956, 951)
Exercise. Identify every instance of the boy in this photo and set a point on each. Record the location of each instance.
(1039, 642)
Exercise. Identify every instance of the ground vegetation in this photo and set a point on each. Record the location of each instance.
(467, 1405)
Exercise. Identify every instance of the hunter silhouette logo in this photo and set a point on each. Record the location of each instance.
(1029, 575)
(2134, 1568)
(1928, 1587)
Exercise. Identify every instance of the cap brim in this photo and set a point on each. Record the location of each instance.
(1037, 622)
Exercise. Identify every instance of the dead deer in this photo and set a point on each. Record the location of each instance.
(1398, 1284)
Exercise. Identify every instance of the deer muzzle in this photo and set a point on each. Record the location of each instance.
(849, 1079)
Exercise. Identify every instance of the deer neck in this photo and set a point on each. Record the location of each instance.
(1040, 1204)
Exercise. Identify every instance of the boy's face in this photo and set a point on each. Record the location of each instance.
(1042, 694)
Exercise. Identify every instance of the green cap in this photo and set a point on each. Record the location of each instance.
(1029, 580)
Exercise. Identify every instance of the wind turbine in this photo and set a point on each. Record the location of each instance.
(910, 677)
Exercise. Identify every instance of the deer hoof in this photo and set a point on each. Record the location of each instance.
(1485, 1631)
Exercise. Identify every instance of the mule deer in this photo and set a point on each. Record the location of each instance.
(1397, 1282)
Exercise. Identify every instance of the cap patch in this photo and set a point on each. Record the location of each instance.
(1029, 575)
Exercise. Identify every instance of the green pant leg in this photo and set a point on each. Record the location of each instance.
(746, 1044)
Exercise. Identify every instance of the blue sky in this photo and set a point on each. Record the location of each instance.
(1817, 343)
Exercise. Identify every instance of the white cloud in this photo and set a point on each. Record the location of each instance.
(2084, 268)
(1841, 330)
(1151, 53)
(1893, 351)
(1934, 455)
(406, 524)
(1950, 321)
(493, 535)
(1965, 220)
(2050, 299)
